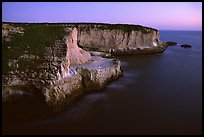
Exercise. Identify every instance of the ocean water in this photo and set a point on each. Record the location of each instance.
(158, 94)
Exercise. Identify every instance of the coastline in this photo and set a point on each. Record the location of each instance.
(55, 94)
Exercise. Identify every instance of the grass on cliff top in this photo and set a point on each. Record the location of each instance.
(36, 37)
(103, 26)
(124, 27)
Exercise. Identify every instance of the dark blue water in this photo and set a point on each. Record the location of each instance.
(158, 94)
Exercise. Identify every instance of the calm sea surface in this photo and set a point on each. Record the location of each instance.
(158, 94)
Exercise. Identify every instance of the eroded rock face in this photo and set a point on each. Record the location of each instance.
(98, 72)
(64, 91)
(75, 55)
(90, 76)
(106, 40)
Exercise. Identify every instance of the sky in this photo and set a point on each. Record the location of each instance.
(158, 15)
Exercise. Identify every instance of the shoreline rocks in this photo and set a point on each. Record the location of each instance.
(171, 43)
(101, 54)
(91, 76)
(186, 46)
(128, 51)
(63, 92)
(139, 51)
(18, 89)
(98, 72)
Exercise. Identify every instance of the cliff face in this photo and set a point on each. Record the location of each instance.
(118, 38)
(75, 55)
(105, 40)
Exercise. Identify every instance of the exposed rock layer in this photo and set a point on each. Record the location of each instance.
(98, 72)
(118, 38)
(64, 91)
(106, 40)
(75, 55)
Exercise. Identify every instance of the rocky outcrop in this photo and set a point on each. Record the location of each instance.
(64, 91)
(147, 50)
(99, 71)
(65, 72)
(91, 76)
(80, 72)
(171, 43)
(101, 54)
(8, 31)
(186, 46)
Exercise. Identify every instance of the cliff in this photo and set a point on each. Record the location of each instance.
(60, 75)
(115, 38)
(52, 59)
(119, 38)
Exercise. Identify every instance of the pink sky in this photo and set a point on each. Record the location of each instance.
(159, 15)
